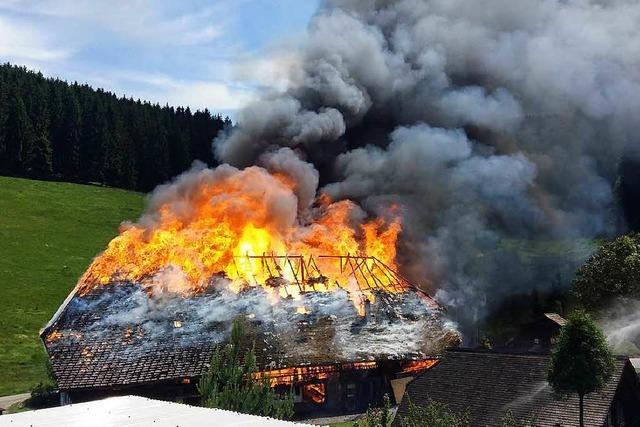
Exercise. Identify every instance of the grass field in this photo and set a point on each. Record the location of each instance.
(49, 232)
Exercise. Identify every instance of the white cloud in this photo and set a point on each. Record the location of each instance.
(218, 95)
(21, 42)
(143, 21)
(181, 53)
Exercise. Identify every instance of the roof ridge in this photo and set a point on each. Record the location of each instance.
(498, 352)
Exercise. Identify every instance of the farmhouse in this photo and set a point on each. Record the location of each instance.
(118, 339)
(489, 384)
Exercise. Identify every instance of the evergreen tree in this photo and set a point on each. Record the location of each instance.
(18, 135)
(37, 154)
(70, 134)
(4, 104)
(233, 382)
(56, 124)
(38, 158)
(49, 128)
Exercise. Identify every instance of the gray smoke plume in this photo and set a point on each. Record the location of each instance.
(490, 123)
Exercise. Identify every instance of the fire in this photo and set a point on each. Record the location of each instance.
(311, 373)
(314, 392)
(417, 366)
(54, 336)
(226, 222)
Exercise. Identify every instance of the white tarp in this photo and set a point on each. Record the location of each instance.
(136, 411)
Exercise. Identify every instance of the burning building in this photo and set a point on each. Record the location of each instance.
(330, 316)
(427, 138)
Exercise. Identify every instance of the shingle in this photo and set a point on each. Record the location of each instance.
(85, 356)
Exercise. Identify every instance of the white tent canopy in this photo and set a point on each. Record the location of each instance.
(136, 411)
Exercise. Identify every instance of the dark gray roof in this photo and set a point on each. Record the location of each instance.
(488, 384)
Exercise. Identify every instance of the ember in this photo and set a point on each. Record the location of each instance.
(314, 392)
(299, 374)
(417, 366)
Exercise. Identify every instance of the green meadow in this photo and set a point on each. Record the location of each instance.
(49, 232)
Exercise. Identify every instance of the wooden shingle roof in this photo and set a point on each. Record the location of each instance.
(488, 384)
(117, 336)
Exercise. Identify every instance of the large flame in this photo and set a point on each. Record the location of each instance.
(214, 222)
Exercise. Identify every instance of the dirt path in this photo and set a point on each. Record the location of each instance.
(6, 401)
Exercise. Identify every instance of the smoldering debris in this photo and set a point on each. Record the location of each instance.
(316, 327)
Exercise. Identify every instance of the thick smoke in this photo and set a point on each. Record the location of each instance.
(490, 123)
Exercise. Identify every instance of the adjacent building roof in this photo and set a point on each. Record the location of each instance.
(555, 317)
(488, 384)
(136, 411)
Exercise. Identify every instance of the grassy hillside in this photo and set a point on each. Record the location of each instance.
(49, 232)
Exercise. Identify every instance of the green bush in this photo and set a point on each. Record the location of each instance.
(434, 414)
(377, 417)
(43, 395)
(508, 420)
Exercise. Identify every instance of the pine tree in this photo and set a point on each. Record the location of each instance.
(233, 383)
(110, 140)
(38, 158)
(18, 135)
(50, 128)
(4, 112)
(70, 137)
(37, 153)
(56, 124)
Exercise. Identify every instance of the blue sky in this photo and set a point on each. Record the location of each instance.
(182, 52)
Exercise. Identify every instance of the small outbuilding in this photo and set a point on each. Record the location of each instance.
(537, 335)
(488, 384)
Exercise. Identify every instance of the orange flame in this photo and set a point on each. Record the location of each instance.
(215, 222)
(298, 374)
(418, 366)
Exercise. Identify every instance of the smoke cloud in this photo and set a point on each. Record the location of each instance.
(621, 325)
(489, 123)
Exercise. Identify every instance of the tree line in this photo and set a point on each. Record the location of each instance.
(50, 129)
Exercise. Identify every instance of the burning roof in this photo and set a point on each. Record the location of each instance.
(120, 333)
